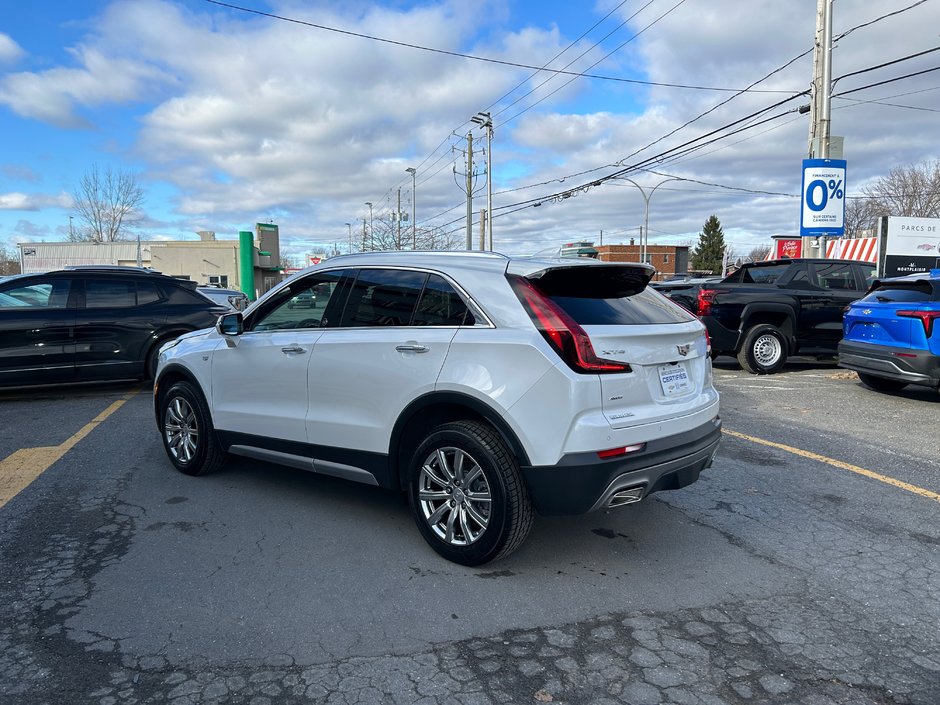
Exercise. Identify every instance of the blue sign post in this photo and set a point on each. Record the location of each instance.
(823, 198)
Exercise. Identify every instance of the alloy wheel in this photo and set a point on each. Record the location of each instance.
(454, 496)
(181, 430)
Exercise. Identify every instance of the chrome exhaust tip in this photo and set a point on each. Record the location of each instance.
(631, 495)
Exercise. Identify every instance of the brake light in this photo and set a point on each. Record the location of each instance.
(706, 298)
(926, 318)
(561, 331)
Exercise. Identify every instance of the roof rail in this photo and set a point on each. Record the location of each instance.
(110, 268)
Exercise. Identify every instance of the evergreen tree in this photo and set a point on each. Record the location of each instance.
(706, 257)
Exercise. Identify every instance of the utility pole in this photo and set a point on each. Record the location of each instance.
(363, 234)
(485, 121)
(819, 133)
(483, 219)
(469, 190)
(349, 228)
(822, 83)
(414, 197)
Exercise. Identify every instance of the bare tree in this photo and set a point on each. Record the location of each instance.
(758, 253)
(105, 200)
(861, 217)
(912, 191)
(385, 237)
(9, 262)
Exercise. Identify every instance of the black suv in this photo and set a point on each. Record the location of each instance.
(93, 323)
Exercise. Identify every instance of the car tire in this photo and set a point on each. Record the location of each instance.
(188, 435)
(764, 350)
(880, 384)
(467, 494)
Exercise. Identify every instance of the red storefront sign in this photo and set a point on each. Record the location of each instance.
(789, 247)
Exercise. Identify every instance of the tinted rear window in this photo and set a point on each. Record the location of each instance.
(642, 308)
(901, 293)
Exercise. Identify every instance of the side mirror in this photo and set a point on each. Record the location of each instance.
(231, 324)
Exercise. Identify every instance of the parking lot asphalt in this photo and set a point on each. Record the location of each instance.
(784, 575)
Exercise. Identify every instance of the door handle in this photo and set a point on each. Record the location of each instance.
(412, 347)
(293, 350)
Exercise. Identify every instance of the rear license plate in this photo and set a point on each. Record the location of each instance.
(675, 379)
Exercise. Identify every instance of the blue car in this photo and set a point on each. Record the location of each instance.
(891, 337)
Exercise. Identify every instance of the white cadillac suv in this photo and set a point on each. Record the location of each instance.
(485, 387)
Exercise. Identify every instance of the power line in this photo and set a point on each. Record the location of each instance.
(603, 58)
(882, 83)
(473, 57)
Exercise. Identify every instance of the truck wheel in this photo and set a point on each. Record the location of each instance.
(764, 351)
(880, 384)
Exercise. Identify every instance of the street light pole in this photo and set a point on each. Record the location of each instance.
(644, 236)
(371, 232)
(414, 197)
(349, 228)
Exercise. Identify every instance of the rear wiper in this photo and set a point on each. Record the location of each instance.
(884, 299)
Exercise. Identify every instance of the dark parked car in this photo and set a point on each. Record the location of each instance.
(93, 323)
(684, 291)
(891, 337)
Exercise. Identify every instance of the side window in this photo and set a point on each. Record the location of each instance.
(440, 305)
(837, 276)
(763, 274)
(110, 293)
(302, 305)
(383, 297)
(37, 294)
(800, 280)
(869, 274)
(147, 293)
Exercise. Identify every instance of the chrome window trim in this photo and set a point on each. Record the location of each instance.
(481, 320)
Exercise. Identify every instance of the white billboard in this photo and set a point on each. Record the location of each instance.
(911, 245)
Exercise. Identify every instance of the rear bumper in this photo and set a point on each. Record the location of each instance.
(582, 482)
(884, 361)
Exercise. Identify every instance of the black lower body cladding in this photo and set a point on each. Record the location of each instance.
(583, 482)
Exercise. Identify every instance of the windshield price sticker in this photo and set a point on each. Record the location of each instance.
(675, 380)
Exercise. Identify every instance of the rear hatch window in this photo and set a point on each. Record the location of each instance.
(604, 296)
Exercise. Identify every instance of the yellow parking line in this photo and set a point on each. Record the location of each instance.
(839, 464)
(23, 466)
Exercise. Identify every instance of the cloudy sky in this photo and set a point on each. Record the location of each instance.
(299, 112)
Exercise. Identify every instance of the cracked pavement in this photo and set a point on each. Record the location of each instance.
(773, 580)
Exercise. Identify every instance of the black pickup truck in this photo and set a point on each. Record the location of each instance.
(766, 311)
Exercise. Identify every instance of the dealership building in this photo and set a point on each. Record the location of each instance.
(250, 264)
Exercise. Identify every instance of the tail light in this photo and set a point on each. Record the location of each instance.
(706, 298)
(561, 331)
(926, 317)
(708, 343)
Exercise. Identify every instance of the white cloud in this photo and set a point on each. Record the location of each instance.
(33, 202)
(52, 95)
(10, 51)
(249, 118)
